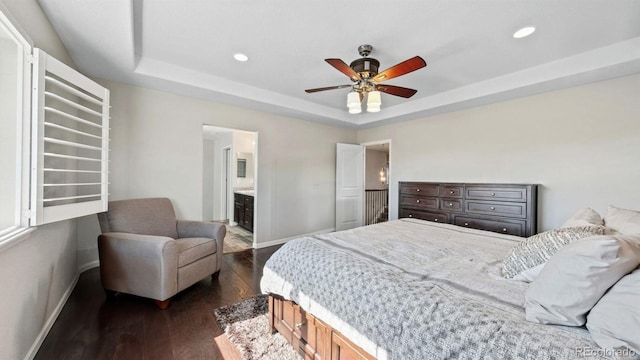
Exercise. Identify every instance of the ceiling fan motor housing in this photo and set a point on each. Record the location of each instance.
(366, 67)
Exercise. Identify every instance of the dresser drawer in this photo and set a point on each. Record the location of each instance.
(518, 210)
(451, 191)
(511, 227)
(451, 204)
(419, 189)
(419, 202)
(424, 215)
(496, 193)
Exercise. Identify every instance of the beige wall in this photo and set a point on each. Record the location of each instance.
(38, 272)
(581, 144)
(156, 150)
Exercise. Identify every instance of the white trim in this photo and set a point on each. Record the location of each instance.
(225, 182)
(35, 347)
(15, 237)
(284, 240)
(51, 320)
(255, 189)
(90, 265)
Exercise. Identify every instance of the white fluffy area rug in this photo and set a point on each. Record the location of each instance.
(246, 325)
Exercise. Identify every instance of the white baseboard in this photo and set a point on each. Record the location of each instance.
(284, 240)
(87, 266)
(51, 320)
(56, 312)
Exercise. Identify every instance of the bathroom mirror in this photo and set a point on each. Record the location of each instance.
(244, 165)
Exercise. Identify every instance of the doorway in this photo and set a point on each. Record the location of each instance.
(376, 189)
(230, 179)
(363, 173)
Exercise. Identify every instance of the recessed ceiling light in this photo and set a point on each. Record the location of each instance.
(241, 57)
(524, 32)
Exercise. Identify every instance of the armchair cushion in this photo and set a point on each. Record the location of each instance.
(193, 249)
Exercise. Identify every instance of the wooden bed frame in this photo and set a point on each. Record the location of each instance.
(502, 208)
(309, 336)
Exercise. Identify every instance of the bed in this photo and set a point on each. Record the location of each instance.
(409, 289)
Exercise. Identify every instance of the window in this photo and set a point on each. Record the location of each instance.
(54, 137)
(14, 127)
(70, 142)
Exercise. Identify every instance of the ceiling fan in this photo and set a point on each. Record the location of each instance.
(364, 74)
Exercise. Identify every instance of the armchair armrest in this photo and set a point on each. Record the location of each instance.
(143, 265)
(203, 229)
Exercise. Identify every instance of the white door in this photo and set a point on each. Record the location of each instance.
(349, 186)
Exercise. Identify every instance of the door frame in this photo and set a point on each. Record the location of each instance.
(226, 190)
(389, 171)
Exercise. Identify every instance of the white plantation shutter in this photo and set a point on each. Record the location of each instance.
(70, 143)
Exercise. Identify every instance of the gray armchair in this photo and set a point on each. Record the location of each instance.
(145, 251)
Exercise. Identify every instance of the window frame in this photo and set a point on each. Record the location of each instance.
(21, 169)
(29, 210)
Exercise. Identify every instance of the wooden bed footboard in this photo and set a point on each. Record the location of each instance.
(309, 336)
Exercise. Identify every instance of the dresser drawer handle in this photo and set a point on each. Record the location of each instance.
(451, 191)
(493, 194)
(410, 215)
(300, 324)
(504, 229)
(418, 190)
(493, 208)
(436, 220)
(418, 201)
(466, 224)
(450, 204)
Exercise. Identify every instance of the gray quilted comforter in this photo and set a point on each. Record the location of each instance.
(411, 289)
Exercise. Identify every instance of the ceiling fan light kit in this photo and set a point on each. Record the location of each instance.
(374, 101)
(353, 103)
(364, 74)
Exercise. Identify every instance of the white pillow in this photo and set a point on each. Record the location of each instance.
(614, 322)
(577, 276)
(584, 217)
(537, 249)
(622, 221)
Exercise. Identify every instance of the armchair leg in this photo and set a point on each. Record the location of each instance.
(163, 304)
(215, 275)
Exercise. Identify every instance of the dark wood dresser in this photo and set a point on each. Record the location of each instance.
(503, 208)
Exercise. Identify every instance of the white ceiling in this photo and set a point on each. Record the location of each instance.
(187, 46)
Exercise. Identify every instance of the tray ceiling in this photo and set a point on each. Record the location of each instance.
(187, 47)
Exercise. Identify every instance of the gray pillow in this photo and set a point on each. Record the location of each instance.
(577, 276)
(614, 322)
(622, 221)
(537, 249)
(584, 217)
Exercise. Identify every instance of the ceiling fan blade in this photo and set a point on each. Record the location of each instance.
(396, 90)
(327, 88)
(404, 67)
(344, 68)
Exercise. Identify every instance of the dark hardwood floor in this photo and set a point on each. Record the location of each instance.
(130, 327)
